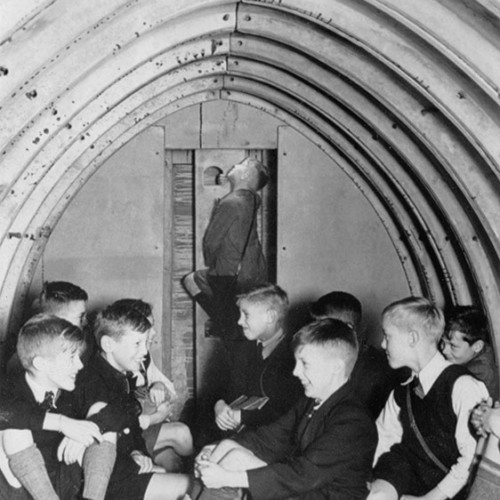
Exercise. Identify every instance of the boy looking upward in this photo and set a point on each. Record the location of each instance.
(231, 248)
(265, 367)
(466, 343)
(432, 462)
(322, 448)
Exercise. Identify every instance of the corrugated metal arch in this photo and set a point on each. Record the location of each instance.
(408, 109)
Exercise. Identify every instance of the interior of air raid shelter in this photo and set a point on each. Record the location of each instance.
(378, 120)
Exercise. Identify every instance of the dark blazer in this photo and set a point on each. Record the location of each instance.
(100, 382)
(21, 396)
(17, 412)
(322, 454)
(272, 377)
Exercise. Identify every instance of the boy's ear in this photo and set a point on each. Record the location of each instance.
(414, 337)
(39, 363)
(107, 343)
(272, 316)
(478, 346)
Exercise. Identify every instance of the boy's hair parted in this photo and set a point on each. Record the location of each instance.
(470, 321)
(416, 313)
(117, 319)
(47, 335)
(137, 304)
(338, 305)
(329, 332)
(272, 295)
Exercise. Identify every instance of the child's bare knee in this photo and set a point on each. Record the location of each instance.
(235, 458)
(183, 432)
(96, 408)
(15, 440)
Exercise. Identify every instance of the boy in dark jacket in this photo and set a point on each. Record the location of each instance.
(322, 448)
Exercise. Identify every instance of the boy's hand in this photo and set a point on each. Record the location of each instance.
(158, 393)
(215, 476)
(226, 418)
(203, 456)
(83, 431)
(144, 421)
(70, 451)
(145, 463)
(165, 410)
(479, 416)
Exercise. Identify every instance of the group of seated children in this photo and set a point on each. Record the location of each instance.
(336, 420)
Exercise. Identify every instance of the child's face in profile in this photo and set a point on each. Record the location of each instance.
(315, 370)
(127, 352)
(396, 344)
(457, 350)
(255, 320)
(61, 369)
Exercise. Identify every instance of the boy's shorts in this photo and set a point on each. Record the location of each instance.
(396, 470)
(126, 483)
(408, 477)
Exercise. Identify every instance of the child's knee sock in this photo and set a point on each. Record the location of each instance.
(29, 467)
(98, 462)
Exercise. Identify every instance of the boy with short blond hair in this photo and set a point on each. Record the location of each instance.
(425, 446)
(265, 368)
(45, 462)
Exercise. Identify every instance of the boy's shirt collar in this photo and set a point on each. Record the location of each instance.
(39, 390)
(125, 379)
(430, 373)
(269, 345)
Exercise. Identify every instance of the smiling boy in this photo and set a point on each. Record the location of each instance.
(122, 335)
(466, 342)
(42, 459)
(264, 369)
(322, 448)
